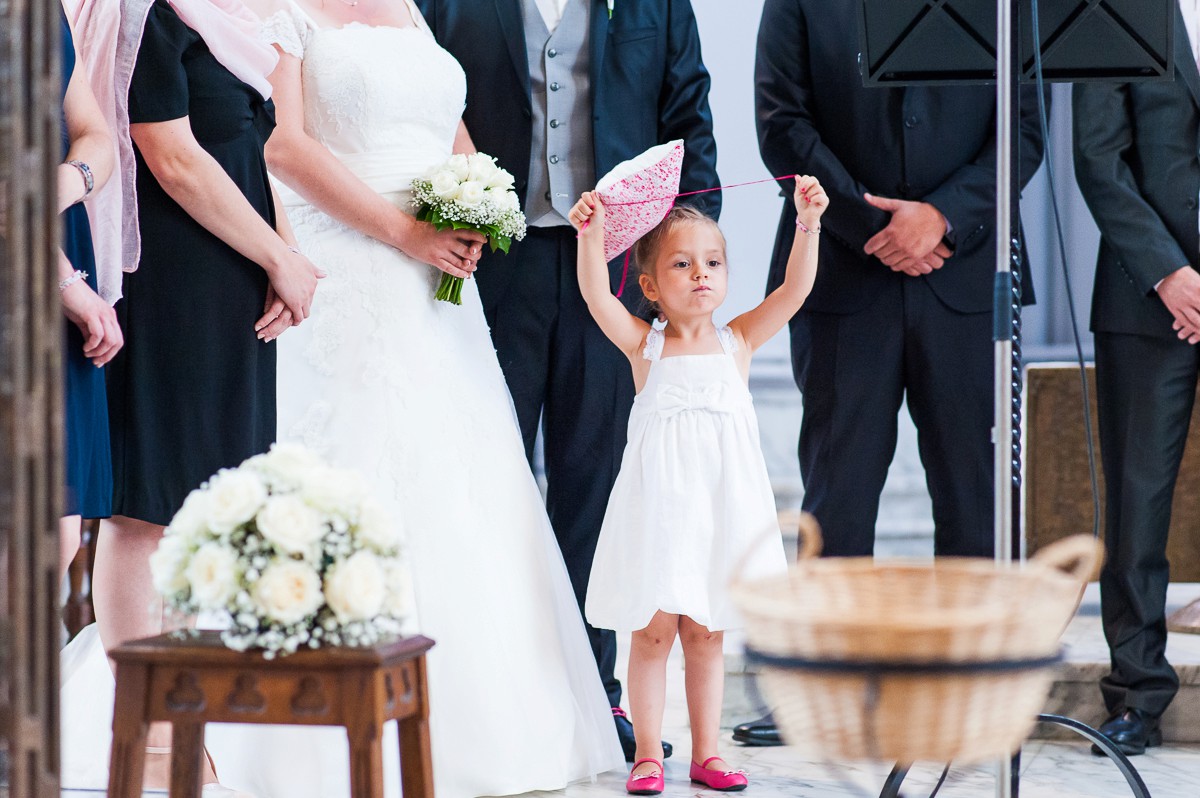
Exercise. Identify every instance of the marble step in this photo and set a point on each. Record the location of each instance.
(1076, 691)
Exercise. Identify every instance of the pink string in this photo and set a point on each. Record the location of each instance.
(625, 268)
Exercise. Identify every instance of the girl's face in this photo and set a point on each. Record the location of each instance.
(690, 276)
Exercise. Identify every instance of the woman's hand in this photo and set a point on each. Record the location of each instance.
(293, 283)
(811, 201)
(84, 308)
(588, 216)
(456, 252)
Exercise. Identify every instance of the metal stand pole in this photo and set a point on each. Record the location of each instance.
(1003, 318)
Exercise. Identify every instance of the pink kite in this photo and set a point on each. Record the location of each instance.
(638, 194)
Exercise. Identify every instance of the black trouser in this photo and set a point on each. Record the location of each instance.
(854, 370)
(563, 371)
(1145, 389)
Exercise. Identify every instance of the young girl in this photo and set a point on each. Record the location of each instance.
(693, 494)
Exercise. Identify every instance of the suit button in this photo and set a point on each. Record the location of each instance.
(1191, 204)
(552, 52)
(553, 159)
(547, 196)
(555, 86)
(911, 122)
(905, 187)
(554, 123)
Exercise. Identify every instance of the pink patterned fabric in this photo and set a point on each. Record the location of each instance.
(638, 194)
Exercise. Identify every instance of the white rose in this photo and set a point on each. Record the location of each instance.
(445, 185)
(333, 490)
(399, 601)
(506, 200)
(285, 463)
(377, 529)
(192, 519)
(501, 181)
(213, 575)
(233, 498)
(291, 525)
(471, 193)
(459, 166)
(355, 588)
(481, 168)
(288, 591)
(167, 564)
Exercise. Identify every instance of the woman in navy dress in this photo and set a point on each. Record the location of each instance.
(92, 334)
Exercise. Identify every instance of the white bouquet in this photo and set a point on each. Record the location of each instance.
(292, 551)
(469, 192)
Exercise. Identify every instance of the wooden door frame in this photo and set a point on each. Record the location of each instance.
(31, 330)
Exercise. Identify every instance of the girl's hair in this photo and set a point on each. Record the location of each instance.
(649, 246)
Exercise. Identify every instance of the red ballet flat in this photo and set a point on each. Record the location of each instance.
(648, 783)
(723, 780)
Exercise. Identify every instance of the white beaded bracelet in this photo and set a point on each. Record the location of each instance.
(75, 277)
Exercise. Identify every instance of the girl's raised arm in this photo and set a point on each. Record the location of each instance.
(622, 327)
(756, 327)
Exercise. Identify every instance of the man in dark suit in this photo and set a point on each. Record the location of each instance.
(1137, 166)
(903, 297)
(561, 91)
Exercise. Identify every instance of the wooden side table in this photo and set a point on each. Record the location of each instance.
(194, 681)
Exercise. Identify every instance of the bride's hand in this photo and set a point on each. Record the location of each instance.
(456, 252)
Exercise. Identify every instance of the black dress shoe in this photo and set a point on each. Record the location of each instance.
(1132, 731)
(625, 734)
(758, 732)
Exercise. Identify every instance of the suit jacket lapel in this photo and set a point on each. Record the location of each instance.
(1185, 61)
(513, 25)
(597, 41)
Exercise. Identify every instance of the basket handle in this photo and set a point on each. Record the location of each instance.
(810, 546)
(811, 539)
(1079, 556)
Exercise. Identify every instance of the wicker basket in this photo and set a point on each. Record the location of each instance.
(906, 661)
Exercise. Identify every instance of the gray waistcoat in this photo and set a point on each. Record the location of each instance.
(561, 163)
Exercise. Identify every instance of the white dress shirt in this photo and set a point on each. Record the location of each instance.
(552, 11)
(1191, 21)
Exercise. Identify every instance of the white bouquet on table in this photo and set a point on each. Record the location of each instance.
(292, 551)
(469, 192)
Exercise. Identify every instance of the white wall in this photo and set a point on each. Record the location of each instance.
(728, 32)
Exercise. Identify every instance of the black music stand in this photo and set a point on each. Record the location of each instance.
(906, 42)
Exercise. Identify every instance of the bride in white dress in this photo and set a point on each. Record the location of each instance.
(384, 379)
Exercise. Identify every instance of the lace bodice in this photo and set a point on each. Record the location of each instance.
(386, 101)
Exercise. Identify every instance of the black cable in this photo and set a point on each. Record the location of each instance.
(938, 787)
(1062, 251)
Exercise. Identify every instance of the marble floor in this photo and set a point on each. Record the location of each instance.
(1048, 769)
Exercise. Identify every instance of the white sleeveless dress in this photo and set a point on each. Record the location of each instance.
(386, 380)
(692, 500)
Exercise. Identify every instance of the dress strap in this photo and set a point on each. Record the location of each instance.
(654, 344)
(417, 17)
(728, 340)
(288, 28)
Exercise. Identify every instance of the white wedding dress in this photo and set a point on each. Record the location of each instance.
(384, 379)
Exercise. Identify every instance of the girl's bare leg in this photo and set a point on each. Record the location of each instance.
(647, 687)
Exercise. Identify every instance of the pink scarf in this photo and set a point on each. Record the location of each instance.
(108, 34)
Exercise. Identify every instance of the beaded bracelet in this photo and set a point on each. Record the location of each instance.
(805, 229)
(75, 277)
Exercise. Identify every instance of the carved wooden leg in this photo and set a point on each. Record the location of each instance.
(128, 757)
(187, 754)
(416, 759)
(366, 760)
